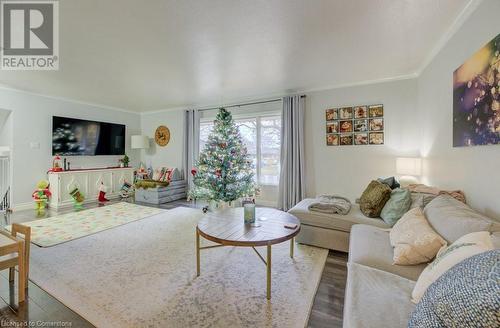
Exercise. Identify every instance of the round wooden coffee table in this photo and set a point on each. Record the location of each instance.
(227, 228)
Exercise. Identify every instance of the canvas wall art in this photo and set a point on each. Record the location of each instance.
(357, 125)
(476, 98)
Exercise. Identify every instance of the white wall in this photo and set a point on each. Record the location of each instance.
(5, 128)
(171, 155)
(472, 169)
(347, 170)
(32, 122)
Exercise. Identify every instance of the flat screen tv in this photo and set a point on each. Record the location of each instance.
(75, 137)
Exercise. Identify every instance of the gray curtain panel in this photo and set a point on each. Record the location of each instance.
(292, 180)
(191, 143)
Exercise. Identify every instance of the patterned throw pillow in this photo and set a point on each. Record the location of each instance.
(467, 295)
(374, 198)
(464, 247)
(414, 240)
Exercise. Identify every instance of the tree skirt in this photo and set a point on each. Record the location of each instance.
(143, 274)
(66, 227)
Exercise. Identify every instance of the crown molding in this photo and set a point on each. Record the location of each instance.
(71, 100)
(361, 83)
(237, 101)
(450, 32)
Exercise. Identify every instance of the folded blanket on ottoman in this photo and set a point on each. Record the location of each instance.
(331, 205)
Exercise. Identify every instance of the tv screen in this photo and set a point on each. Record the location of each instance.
(75, 137)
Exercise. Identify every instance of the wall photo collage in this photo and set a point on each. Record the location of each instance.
(358, 125)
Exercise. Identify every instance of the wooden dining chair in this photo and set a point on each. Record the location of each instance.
(25, 231)
(12, 253)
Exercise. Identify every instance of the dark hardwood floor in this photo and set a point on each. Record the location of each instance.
(41, 309)
(328, 306)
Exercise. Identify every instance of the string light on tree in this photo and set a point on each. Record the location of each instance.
(224, 171)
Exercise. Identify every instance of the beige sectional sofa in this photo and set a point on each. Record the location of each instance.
(329, 230)
(377, 292)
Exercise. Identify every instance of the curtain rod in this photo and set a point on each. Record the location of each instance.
(246, 104)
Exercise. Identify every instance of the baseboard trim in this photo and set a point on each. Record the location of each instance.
(23, 206)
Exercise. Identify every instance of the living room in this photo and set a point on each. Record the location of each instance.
(270, 125)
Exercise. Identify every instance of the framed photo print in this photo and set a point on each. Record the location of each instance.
(376, 110)
(332, 127)
(376, 124)
(361, 139)
(376, 138)
(346, 126)
(356, 125)
(346, 139)
(360, 125)
(332, 114)
(332, 139)
(345, 113)
(361, 112)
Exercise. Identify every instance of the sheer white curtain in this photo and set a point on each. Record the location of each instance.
(292, 180)
(191, 143)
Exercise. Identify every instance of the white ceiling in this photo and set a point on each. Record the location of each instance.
(157, 54)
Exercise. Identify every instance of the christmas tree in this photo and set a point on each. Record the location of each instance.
(224, 171)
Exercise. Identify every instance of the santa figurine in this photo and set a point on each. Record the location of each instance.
(102, 193)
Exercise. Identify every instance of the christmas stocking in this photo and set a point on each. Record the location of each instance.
(102, 193)
(77, 198)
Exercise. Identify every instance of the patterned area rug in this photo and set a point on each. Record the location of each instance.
(66, 227)
(143, 274)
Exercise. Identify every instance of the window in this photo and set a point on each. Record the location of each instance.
(262, 137)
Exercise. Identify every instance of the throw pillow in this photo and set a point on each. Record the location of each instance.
(464, 247)
(452, 219)
(414, 240)
(421, 200)
(374, 198)
(392, 182)
(396, 206)
(467, 295)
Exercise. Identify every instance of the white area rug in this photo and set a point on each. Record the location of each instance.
(143, 274)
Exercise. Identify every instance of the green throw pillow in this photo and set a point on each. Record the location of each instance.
(374, 198)
(396, 206)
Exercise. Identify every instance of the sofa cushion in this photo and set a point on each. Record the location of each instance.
(396, 206)
(375, 298)
(467, 295)
(374, 198)
(332, 221)
(463, 248)
(414, 240)
(452, 219)
(371, 246)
